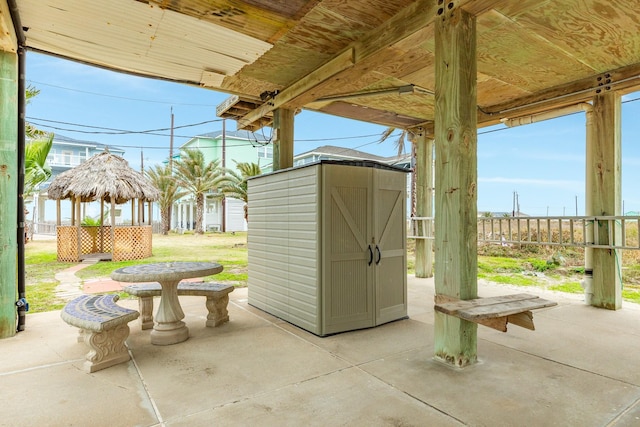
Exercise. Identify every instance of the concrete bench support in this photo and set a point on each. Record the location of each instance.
(217, 300)
(103, 327)
(495, 312)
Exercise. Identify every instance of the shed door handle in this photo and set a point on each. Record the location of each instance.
(379, 255)
(370, 255)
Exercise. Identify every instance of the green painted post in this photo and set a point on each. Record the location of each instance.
(8, 191)
(456, 258)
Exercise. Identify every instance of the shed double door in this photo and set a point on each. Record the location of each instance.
(364, 250)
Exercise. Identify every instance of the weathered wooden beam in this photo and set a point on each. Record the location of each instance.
(524, 320)
(621, 79)
(605, 173)
(331, 68)
(8, 191)
(404, 24)
(456, 178)
(283, 138)
(8, 38)
(487, 308)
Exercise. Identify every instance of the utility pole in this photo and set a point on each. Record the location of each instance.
(140, 211)
(576, 205)
(171, 144)
(170, 210)
(223, 225)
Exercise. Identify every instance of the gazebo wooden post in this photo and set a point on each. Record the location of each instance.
(101, 225)
(79, 225)
(150, 211)
(73, 210)
(58, 213)
(133, 211)
(113, 227)
(140, 211)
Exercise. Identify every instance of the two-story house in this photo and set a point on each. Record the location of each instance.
(227, 148)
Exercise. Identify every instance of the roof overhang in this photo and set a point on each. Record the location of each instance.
(355, 59)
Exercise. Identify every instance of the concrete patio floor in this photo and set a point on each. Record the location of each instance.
(581, 367)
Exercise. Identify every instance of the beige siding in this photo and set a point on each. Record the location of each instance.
(283, 257)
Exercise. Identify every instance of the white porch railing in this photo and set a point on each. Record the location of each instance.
(421, 228)
(611, 232)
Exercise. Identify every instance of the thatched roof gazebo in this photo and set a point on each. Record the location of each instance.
(105, 178)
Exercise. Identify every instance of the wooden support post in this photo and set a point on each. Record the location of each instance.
(113, 229)
(283, 138)
(604, 176)
(76, 207)
(456, 177)
(8, 191)
(102, 226)
(424, 203)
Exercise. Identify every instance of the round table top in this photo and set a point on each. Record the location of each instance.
(161, 271)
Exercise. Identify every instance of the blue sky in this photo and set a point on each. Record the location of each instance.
(543, 162)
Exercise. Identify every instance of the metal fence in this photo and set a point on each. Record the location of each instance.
(606, 232)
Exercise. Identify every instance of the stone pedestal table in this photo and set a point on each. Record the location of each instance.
(169, 327)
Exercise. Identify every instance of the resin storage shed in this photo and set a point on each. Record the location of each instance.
(327, 245)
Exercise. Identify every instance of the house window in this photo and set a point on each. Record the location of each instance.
(67, 156)
(265, 152)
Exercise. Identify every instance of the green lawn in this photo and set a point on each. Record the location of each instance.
(230, 250)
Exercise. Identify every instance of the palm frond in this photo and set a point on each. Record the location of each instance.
(37, 170)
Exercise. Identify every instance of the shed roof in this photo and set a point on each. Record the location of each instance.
(371, 60)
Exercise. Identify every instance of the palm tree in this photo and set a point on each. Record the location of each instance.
(36, 168)
(163, 180)
(31, 131)
(36, 151)
(198, 178)
(236, 186)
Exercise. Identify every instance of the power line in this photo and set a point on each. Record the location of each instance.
(122, 97)
(116, 131)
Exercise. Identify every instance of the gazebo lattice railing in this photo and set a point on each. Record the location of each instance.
(132, 242)
(103, 178)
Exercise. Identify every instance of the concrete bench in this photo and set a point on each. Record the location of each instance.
(103, 327)
(217, 299)
(495, 312)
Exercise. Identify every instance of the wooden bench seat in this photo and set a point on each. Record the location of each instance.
(103, 327)
(495, 312)
(217, 299)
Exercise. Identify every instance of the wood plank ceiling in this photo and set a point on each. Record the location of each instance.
(370, 60)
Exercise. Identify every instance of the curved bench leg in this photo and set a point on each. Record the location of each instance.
(145, 304)
(107, 348)
(218, 313)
